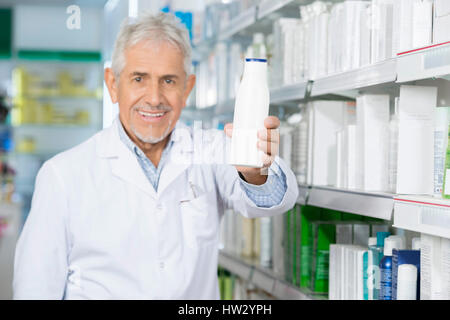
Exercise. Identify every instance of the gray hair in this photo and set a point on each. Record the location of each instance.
(160, 27)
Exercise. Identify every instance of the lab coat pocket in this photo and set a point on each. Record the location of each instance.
(199, 221)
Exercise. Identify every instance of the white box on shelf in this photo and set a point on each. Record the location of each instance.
(351, 156)
(355, 31)
(422, 23)
(441, 21)
(402, 27)
(416, 140)
(327, 119)
(361, 234)
(365, 35)
(382, 29)
(372, 142)
(435, 268)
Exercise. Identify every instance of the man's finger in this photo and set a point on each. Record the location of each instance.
(271, 122)
(272, 135)
(267, 160)
(270, 148)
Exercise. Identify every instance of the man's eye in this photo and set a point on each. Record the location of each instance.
(138, 79)
(169, 81)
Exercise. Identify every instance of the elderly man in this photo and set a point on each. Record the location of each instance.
(134, 212)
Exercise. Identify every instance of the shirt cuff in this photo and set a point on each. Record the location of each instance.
(270, 193)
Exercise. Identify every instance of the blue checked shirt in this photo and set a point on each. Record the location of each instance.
(266, 195)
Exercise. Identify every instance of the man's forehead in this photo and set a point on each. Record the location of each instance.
(161, 55)
(156, 46)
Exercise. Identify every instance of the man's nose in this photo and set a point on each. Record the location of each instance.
(153, 95)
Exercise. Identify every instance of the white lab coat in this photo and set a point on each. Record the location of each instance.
(98, 230)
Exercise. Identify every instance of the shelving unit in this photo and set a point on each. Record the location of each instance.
(267, 7)
(238, 24)
(263, 278)
(423, 214)
(380, 73)
(375, 205)
(413, 213)
(424, 63)
(289, 93)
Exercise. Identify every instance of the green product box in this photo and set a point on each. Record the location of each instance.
(330, 215)
(228, 284)
(323, 234)
(294, 245)
(446, 186)
(287, 245)
(308, 215)
(351, 217)
(220, 275)
(298, 241)
(372, 220)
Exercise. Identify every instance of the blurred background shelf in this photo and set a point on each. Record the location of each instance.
(238, 24)
(263, 278)
(267, 7)
(288, 93)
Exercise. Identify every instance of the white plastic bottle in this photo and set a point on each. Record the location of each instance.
(407, 282)
(265, 259)
(250, 110)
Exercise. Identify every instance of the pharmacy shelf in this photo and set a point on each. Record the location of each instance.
(289, 93)
(303, 194)
(422, 214)
(428, 62)
(263, 278)
(375, 205)
(266, 7)
(238, 24)
(235, 265)
(379, 73)
(202, 48)
(350, 81)
(7, 210)
(278, 96)
(62, 98)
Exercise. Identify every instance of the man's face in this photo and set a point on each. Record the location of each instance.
(152, 90)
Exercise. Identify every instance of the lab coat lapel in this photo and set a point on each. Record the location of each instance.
(180, 157)
(124, 163)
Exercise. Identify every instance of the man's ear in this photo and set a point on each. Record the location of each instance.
(190, 82)
(110, 80)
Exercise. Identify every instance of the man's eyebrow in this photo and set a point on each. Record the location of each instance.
(143, 74)
(170, 76)
(138, 73)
